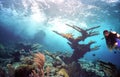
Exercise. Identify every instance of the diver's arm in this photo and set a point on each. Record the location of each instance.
(113, 32)
(116, 44)
(113, 47)
(109, 45)
(118, 35)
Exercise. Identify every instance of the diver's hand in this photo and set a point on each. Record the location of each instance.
(118, 36)
(113, 47)
(110, 49)
(115, 44)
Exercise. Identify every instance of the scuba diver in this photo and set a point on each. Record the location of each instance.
(112, 39)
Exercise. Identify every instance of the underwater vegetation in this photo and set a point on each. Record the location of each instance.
(29, 60)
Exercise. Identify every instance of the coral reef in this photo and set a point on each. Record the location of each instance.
(39, 60)
(63, 72)
(47, 71)
(23, 71)
(90, 66)
(37, 63)
(31, 66)
(11, 70)
(16, 56)
(3, 52)
(25, 47)
(2, 72)
(79, 49)
(109, 69)
(74, 69)
(27, 60)
(1, 47)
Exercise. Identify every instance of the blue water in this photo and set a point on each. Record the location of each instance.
(21, 20)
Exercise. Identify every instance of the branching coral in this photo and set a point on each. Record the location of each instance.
(79, 49)
(65, 35)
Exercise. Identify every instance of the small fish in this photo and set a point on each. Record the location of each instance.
(93, 54)
(115, 52)
(102, 38)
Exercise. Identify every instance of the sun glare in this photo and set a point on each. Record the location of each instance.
(37, 17)
(59, 26)
(57, 1)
